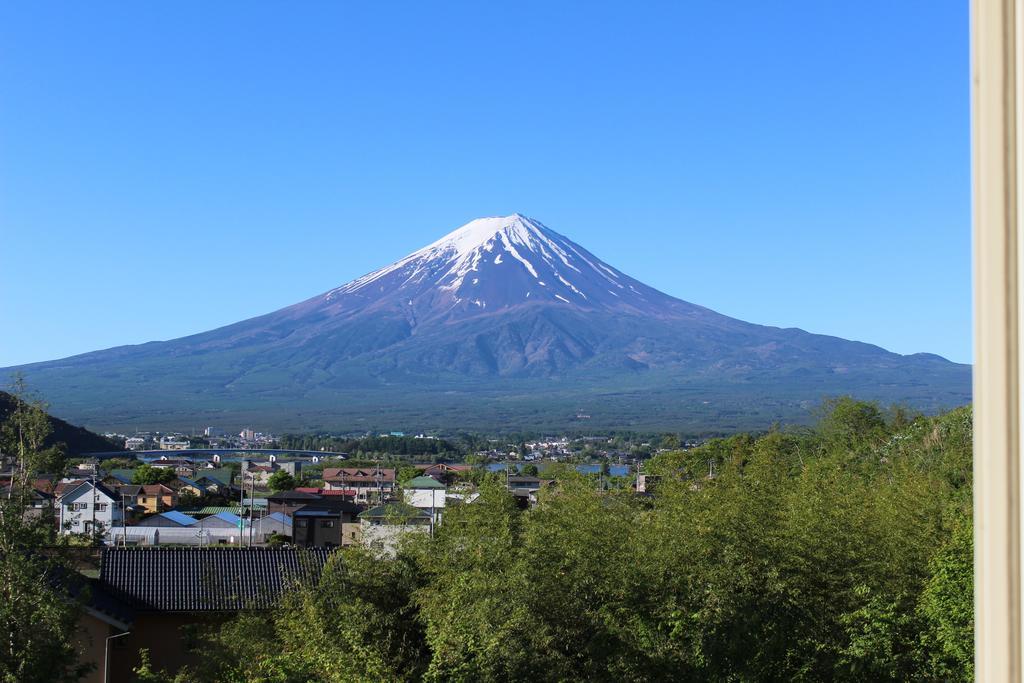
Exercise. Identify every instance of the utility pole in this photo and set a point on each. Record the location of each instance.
(124, 522)
(93, 528)
(241, 505)
(380, 486)
(252, 501)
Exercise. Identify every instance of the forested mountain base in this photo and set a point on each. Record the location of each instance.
(839, 553)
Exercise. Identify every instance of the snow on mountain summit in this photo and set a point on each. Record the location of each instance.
(498, 262)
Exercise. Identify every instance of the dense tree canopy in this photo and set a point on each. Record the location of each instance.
(39, 589)
(281, 481)
(839, 553)
(146, 475)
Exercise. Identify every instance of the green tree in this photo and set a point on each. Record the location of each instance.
(281, 481)
(146, 475)
(478, 625)
(841, 552)
(120, 463)
(40, 601)
(948, 605)
(406, 472)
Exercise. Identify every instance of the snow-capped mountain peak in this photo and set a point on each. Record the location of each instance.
(495, 263)
(467, 326)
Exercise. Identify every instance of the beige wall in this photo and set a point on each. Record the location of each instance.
(91, 638)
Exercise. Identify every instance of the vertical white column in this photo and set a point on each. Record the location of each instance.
(997, 380)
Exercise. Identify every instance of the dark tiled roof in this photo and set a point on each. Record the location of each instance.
(100, 488)
(292, 495)
(103, 604)
(334, 504)
(206, 579)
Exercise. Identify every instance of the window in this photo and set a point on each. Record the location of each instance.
(101, 507)
(327, 524)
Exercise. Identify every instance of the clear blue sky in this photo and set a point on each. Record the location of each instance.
(167, 168)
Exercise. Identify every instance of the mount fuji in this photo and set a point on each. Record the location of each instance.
(502, 324)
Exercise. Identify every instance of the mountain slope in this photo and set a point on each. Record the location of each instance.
(491, 321)
(70, 439)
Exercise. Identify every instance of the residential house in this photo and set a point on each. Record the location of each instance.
(153, 498)
(219, 485)
(288, 501)
(185, 485)
(427, 494)
(181, 466)
(88, 508)
(257, 473)
(383, 527)
(40, 501)
(326, 523)
(524, 489)
(146, 595)
(129, 494)
(369, 483)
(117, 477)
(83, 470)
(443, 472)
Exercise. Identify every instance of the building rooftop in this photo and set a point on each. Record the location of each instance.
(358, 474)
(396, 510)
(206, 579)
(423, 482)
(176, 517)
(212, 510)
(292, 495)
(227, 517)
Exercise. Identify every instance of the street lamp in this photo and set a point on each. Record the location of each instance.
(106, 655)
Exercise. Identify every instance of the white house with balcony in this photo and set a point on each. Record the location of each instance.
(89, 508)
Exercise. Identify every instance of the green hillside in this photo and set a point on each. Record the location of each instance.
(71, 439)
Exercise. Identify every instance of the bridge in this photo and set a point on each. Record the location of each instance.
(208, 453)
